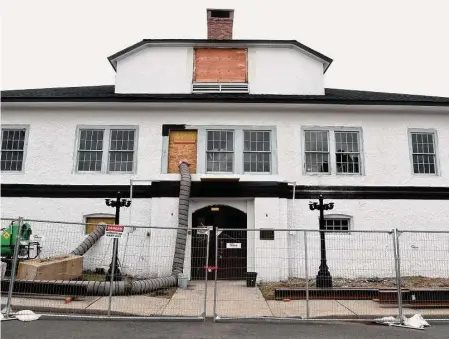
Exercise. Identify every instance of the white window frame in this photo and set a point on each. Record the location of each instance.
(25, 145)
(234, 158)
(238, 148)
(340, 217)
(435, 146)
(238, 168)
(106, 148)
(332, 149)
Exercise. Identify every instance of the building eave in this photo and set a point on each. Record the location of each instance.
(217, 44)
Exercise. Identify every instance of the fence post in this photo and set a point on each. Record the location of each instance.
(397, 259)
(14, 266)
(209, 228)
(111, 281)
(217, 233)
(306, 259)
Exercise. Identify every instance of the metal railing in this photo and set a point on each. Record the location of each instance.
(233, 274)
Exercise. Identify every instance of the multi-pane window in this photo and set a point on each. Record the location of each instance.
(121, 153)
(90, 150)
(257, 151)
(13, 148)
(347, 152)
(317, 151)
(423, 153)
(106, 149)
(220, 151)
(333, 150)
(336, 224)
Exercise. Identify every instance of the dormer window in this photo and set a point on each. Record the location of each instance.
(220, 70)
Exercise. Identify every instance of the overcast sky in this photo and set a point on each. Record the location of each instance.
(382, 45)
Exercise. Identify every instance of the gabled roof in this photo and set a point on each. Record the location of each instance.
(332, 96)
(219, 43)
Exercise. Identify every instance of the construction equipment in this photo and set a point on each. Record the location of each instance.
(26, 247)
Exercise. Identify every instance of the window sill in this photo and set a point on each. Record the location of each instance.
(317, 173)
(13, 172)
(350, 174)
(102, 173)
(425, 175)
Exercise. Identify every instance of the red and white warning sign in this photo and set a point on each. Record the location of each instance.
(114, 231)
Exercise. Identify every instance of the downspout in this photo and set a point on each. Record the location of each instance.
(291, 233)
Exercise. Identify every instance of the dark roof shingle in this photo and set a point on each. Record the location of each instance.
(106, 94)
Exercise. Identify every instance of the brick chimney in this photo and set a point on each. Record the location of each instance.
(219, 24)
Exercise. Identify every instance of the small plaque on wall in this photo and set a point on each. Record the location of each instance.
(233, 245)
(266, 234)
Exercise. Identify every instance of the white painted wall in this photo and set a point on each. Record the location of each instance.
(349, 255)
(284, 71)
(51, 155)
(156, 70)
(51, 152)
(271, 70)
(365, 254)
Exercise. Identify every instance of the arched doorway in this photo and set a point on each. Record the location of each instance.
(232, 247)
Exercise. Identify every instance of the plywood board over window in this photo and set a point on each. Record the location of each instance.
(220, 65)
(182, 146)
(93, 222)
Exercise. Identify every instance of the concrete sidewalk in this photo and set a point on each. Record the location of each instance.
(234, 300)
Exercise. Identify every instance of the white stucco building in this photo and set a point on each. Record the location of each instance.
(256, 123)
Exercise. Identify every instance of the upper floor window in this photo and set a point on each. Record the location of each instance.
(13, 149)
(423, 152)
(239, 150)
(317, 151)
(106, 149)
(257, 151)
(325, 147)
(220, 151)
(220, 70)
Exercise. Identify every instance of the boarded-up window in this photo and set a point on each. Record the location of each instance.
(220, 65)
(182, 146)
(92, 223)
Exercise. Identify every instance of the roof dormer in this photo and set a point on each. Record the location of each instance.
(220, 64)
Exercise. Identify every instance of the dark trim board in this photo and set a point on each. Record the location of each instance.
(167, 128)
(243, 189)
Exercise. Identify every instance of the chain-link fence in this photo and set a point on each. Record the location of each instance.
(307, 274)
(73, 269)
(424, 272)
(67, 268)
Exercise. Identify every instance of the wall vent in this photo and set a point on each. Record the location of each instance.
(220, 87)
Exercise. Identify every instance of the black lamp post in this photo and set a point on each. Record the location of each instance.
(323, 279)
(118, 203)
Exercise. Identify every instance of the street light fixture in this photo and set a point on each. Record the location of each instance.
(118, 203)
(323, 279)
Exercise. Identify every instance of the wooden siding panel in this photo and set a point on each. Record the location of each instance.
(182, 146)
(220, 65)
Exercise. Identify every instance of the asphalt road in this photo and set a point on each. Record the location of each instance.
(84, 329)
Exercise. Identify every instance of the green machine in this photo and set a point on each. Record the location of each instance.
(8, 242)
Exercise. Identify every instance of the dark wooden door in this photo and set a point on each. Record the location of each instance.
(231, 244)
